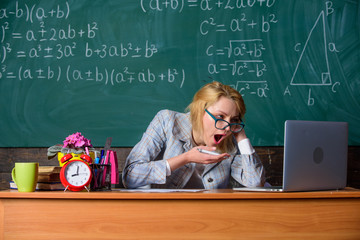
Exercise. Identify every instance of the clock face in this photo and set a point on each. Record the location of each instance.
(77, 173)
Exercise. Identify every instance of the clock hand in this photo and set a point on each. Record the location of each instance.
(77, 172)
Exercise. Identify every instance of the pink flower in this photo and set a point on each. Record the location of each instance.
(76, 140)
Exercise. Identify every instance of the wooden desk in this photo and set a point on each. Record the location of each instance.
(220, 214)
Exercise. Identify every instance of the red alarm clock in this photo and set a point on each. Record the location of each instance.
(76, 174)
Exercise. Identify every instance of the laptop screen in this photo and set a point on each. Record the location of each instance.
(315, 155)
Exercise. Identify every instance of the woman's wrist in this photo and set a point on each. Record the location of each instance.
(168, 169)
(176, 162)
(245, 146)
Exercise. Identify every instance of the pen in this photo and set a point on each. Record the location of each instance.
(97, 159)
(101, 156)
(87, 151)
(208, 152)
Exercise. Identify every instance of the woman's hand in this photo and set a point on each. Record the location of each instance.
(196, 157)
(240, 135)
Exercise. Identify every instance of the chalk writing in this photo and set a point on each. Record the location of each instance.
(245, 54)
(323, 78)
(31, 13)
(204, 5)
(105, 76)
(45, 40)
(234, 42)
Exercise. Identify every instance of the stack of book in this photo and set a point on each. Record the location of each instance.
(48, 179)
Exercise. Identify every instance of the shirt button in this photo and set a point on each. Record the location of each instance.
(210, 180)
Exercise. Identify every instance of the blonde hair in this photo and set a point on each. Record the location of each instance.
(205, 97)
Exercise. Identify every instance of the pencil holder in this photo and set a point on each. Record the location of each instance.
(101, 180)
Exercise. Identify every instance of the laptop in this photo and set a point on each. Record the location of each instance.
(315, 157)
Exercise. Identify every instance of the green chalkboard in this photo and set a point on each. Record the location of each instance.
(104, 68)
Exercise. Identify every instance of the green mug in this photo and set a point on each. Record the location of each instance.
(25, 176)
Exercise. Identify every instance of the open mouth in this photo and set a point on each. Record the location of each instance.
(218, 138)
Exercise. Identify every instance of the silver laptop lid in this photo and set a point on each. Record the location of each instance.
(315, 155)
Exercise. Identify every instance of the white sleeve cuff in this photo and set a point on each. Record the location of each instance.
(168, 169)
(245, 146)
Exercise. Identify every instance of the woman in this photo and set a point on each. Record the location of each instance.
(169, 153)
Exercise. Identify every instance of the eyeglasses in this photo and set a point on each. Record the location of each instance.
(222, 124)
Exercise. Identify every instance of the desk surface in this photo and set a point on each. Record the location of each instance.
(214, 214)
(206, 194)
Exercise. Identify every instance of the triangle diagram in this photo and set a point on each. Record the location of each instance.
(312, 68)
